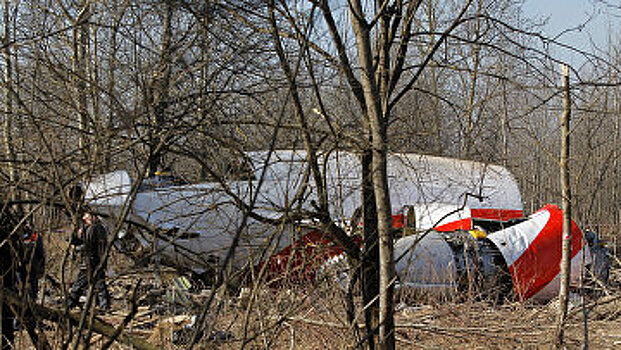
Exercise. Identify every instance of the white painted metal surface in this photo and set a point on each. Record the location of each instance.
(204, 217)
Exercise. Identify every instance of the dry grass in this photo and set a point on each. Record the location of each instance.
(308, 317)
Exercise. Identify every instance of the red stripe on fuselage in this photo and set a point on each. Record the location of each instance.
(496, 214)
(466, 224)
(540, 263)
(463, 224)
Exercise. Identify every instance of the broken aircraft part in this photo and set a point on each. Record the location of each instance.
(191, 225)
(521, 260)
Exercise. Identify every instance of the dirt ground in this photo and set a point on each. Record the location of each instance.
(306, 317)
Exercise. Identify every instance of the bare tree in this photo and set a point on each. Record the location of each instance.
(566, 197)
(8, 115)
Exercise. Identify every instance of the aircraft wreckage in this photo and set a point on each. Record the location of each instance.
(459, 224)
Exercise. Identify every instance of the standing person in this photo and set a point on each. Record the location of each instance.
(7, 275)
(31, 255)
(9, 246)
(91, 242)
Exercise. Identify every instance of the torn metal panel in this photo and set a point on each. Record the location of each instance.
(532, 251)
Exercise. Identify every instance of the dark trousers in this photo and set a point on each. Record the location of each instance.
(81, 283)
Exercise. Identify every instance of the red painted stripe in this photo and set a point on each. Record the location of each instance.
(540, 263)
(496, 214)
(466, 224)
(463, 224)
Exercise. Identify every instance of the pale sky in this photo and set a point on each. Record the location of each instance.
(602, 27)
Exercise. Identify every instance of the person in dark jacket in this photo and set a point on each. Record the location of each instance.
(90, 242)
(7, 274)
(31, 254)
(9, 245)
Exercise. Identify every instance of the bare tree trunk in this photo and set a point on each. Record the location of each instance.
(436, 122)
(8, 116)
(386, 247)
(615, 166)
(467, 145)
(160, 91)
(504, 127)
(566, 194)
(370, 258)
(112, 59)
(91, 42)
(469, 123)
(202, 99)
(377, 124)
(80, 45)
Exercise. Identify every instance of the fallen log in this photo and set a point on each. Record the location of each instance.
(99, 326)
